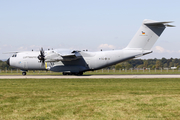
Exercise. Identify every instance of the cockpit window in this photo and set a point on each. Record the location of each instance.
(14, 55)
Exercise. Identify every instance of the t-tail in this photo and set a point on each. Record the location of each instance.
(147, 35)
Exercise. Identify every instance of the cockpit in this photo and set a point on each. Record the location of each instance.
(15, 55)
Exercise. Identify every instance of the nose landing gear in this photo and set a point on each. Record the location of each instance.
(23, 73)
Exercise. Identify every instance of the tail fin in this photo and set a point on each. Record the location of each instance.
(148, 34)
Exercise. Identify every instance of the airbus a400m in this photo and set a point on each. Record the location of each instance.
(76, 62)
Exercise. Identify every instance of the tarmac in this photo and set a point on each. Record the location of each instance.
(89, 76)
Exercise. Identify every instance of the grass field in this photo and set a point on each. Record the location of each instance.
(96, 72)
(89, 99)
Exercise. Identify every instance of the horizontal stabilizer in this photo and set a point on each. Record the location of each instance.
(165, 23)
(145, 53)
(170, 25)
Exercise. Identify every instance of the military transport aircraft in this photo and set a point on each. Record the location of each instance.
(75, 62)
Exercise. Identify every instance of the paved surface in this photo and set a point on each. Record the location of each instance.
(92, 76)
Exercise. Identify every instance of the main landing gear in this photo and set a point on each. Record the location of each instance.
(69, 73)
(64, 73)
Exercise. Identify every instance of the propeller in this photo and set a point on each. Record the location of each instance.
(41, 57)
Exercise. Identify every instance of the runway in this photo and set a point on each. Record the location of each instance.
(90, 76)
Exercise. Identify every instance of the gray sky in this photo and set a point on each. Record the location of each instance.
(85, 24)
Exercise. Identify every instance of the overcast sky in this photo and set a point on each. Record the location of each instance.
(85, 24)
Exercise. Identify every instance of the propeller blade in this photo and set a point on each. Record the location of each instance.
(41, 57)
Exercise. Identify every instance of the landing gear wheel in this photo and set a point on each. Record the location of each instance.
(64, 73)
(23, 73)
(80, 73)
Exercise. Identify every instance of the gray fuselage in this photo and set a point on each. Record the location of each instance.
(88, 61)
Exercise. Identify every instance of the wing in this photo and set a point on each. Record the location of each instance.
(10, 52)
(62, 55)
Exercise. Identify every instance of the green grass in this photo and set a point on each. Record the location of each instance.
(96, 72)
(89, 99)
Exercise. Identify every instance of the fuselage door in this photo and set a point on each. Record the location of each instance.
(25, 64)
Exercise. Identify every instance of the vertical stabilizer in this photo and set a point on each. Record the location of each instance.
(147, 34)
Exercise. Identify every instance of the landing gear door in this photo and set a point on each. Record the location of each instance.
(88, 63)
(25, 65)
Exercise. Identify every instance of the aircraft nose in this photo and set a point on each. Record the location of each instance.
(8, 61)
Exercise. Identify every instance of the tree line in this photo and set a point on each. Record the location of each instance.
(149, 63)
(134, 63)
(4, 65)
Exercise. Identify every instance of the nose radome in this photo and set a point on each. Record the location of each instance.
(8, 61)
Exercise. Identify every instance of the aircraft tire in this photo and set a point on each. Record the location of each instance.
(23, 73)
(80, 73)
(64, 73)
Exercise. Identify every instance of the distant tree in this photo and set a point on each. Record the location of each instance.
(150, 66)
(171, 64)
(135, 62)
(118, 66)
(176, 61)
(3, 65)
(145, 63)
(158, 64)
(153, 67)
(163, 60)
(125, 65)
(140, 66)
(165, 65)
(178, 67)
(128, 66)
